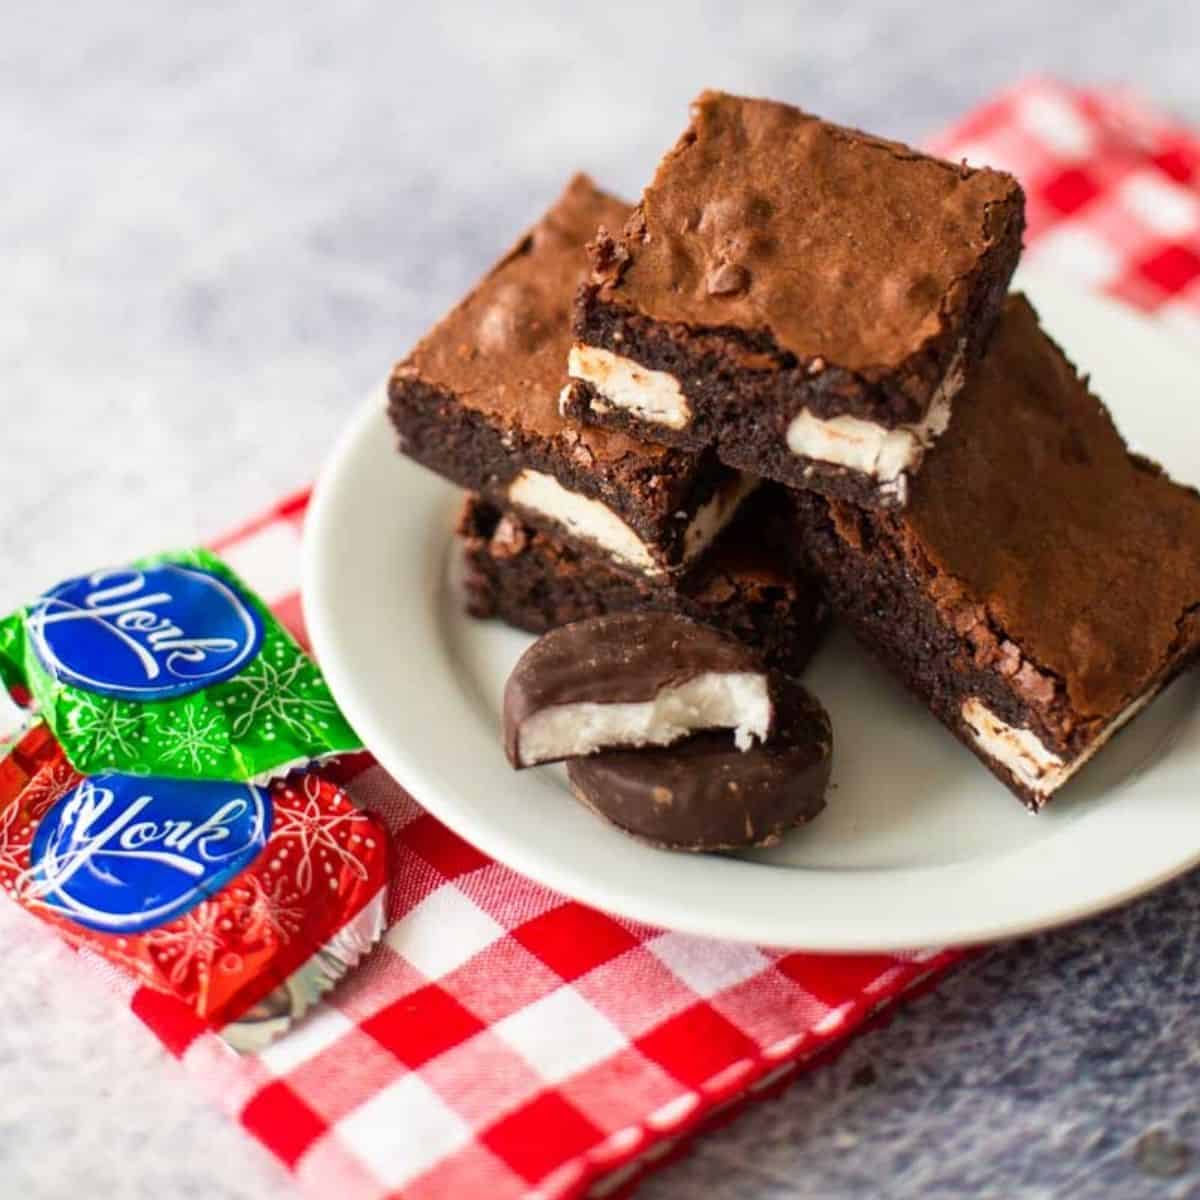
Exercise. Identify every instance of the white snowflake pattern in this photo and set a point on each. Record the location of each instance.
(274, 694)
(314, 830)
(18, 819)
(108, 730)
(191, 737)
(269, 910)
(48, 785)
(191, 944)
(13, 847)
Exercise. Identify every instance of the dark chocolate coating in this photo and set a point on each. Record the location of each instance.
(619, 658)
(705, 794)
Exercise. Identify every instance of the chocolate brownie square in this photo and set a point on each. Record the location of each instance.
(1043, 583)
(477, 401)
(750, 585)
(803, 297)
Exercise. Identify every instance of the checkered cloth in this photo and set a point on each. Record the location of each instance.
(1112, 190)
(505, 1041)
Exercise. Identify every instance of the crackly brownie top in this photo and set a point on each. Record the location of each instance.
(839, 245)
(1083, 555)
(503, 349)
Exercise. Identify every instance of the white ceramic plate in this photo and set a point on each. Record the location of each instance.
(919, 846)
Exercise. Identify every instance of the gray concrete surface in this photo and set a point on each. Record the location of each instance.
(219, 224)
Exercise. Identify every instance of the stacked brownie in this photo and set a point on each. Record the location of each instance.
(802, 299)
(563, 520)
(1043, 583)
(797, 354)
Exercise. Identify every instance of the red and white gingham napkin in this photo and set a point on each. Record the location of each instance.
(505, 1041)
(1112, 190)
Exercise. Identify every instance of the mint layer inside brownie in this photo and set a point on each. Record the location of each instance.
(478, 400)
(748, 586)
(1043, 584)
(803, 297)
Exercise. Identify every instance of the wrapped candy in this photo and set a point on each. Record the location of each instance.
(172, 803)
(170, 667)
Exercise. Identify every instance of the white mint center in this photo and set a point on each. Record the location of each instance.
(653, 396)
(583, 517)
(731, 700)
(715, 513)
(1022, 751)
(865, 446)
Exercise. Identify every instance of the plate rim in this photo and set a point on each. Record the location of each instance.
(752, 921)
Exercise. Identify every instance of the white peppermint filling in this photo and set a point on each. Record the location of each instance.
(583, 517)
(653, 396)
(737, 700)
(1023, 753)
(715, 513)
(887, 455)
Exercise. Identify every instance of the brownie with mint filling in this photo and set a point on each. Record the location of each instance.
(750, 586)
(478, 401)
(802, 297)
(1043, 584)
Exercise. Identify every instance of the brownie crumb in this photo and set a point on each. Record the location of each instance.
(510, 538)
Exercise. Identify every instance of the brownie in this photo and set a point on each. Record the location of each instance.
(803, 297)
(1043, 583)
(477, 401)
(746, 587)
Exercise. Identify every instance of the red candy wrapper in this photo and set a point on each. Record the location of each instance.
(245, 903)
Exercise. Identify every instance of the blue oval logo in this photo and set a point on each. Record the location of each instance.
(144, 634)
(123, 853)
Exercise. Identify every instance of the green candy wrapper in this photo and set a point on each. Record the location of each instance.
(170, 667)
